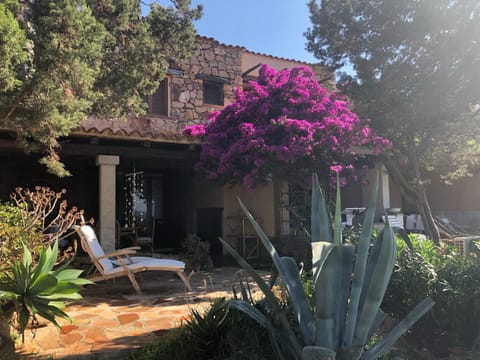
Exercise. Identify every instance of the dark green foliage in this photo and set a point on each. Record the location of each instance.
(13, 235)
(451, 280)
(196, 253)
(64, 60)
(217, 333)
(415, 76)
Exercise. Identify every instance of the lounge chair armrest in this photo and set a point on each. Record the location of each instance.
(131, 248)
(118, 253)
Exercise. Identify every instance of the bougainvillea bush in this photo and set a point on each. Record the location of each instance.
(282, 123)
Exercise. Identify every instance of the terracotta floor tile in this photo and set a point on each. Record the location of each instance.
(71, 338)
(113, 318)
(127, 318)
(104, 323)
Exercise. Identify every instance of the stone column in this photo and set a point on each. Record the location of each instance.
(107, 205)
(385, 187)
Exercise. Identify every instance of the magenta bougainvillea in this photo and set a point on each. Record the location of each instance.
(281, 124)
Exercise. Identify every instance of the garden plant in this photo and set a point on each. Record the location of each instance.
(349, 284)
(29, 290)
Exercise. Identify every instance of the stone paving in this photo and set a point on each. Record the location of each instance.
(112, 319)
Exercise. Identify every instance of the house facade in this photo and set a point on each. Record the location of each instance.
(139, 172)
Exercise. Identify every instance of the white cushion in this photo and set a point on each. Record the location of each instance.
(152, 262)
(97, 251)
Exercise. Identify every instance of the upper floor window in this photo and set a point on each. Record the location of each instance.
(212, 92)
(158, 101)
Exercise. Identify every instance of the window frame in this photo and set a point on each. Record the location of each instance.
(165, 83)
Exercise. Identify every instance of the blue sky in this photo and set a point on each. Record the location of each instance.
(273, 27)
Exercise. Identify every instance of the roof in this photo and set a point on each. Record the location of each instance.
(157, 129)
(244, 49)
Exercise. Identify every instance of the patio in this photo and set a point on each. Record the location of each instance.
(112, 319)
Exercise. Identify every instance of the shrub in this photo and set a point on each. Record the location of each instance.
(196, 253)
(37, 219)
(218, 333)
(13, 235)
(450, 279)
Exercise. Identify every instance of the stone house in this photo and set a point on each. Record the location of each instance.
(139, 171)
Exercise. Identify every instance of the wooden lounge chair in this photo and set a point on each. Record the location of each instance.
(122, 263)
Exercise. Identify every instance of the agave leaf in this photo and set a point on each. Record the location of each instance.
(272, 300)
(380, 272)
(263, 238)
(337, 222)
(7, 295)
(64, 287)
(337, 239)
(43, 285)
(50, 312)
(21, 276)
(360, 267)
(348, 256)
(48, 257)
(59, 304)
(269, 296)
(325, 290)
(23, 318)
(387, 342)
(320, 252)
(67, 275)
(27, 257)
(248, 309)
(299, 300)
(80, 281)
(274, 335)
(320, 220)
(285, 270)
(63, 297)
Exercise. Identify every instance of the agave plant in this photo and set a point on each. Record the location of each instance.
(37, 289)
(349, 284)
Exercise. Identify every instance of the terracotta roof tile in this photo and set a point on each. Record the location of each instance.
(158, 129)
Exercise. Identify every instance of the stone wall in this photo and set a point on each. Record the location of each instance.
(213, 59)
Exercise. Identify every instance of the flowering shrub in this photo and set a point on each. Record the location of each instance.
(281, 123)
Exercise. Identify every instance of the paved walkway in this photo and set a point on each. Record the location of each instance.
(112, 319)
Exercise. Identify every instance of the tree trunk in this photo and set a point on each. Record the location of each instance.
(413, 191)
(429, 225)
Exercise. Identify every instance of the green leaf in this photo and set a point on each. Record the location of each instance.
(285, 270)
(7, 295)
(380, 272)
(298, 300)
(269, 296)
(387, 342)
(360, 268)
(325, 298)
(27, 257)
(23, 318)
(320, 221)
(348, 256)
(44, 285)
(246, 308)
(67, 275)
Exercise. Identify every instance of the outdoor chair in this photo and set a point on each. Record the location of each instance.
(120, 262)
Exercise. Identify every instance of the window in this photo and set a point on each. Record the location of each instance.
(158, 101)
(212, 92)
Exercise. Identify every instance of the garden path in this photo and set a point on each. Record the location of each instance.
(112, 319)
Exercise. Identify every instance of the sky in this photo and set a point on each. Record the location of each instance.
(273, 27)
